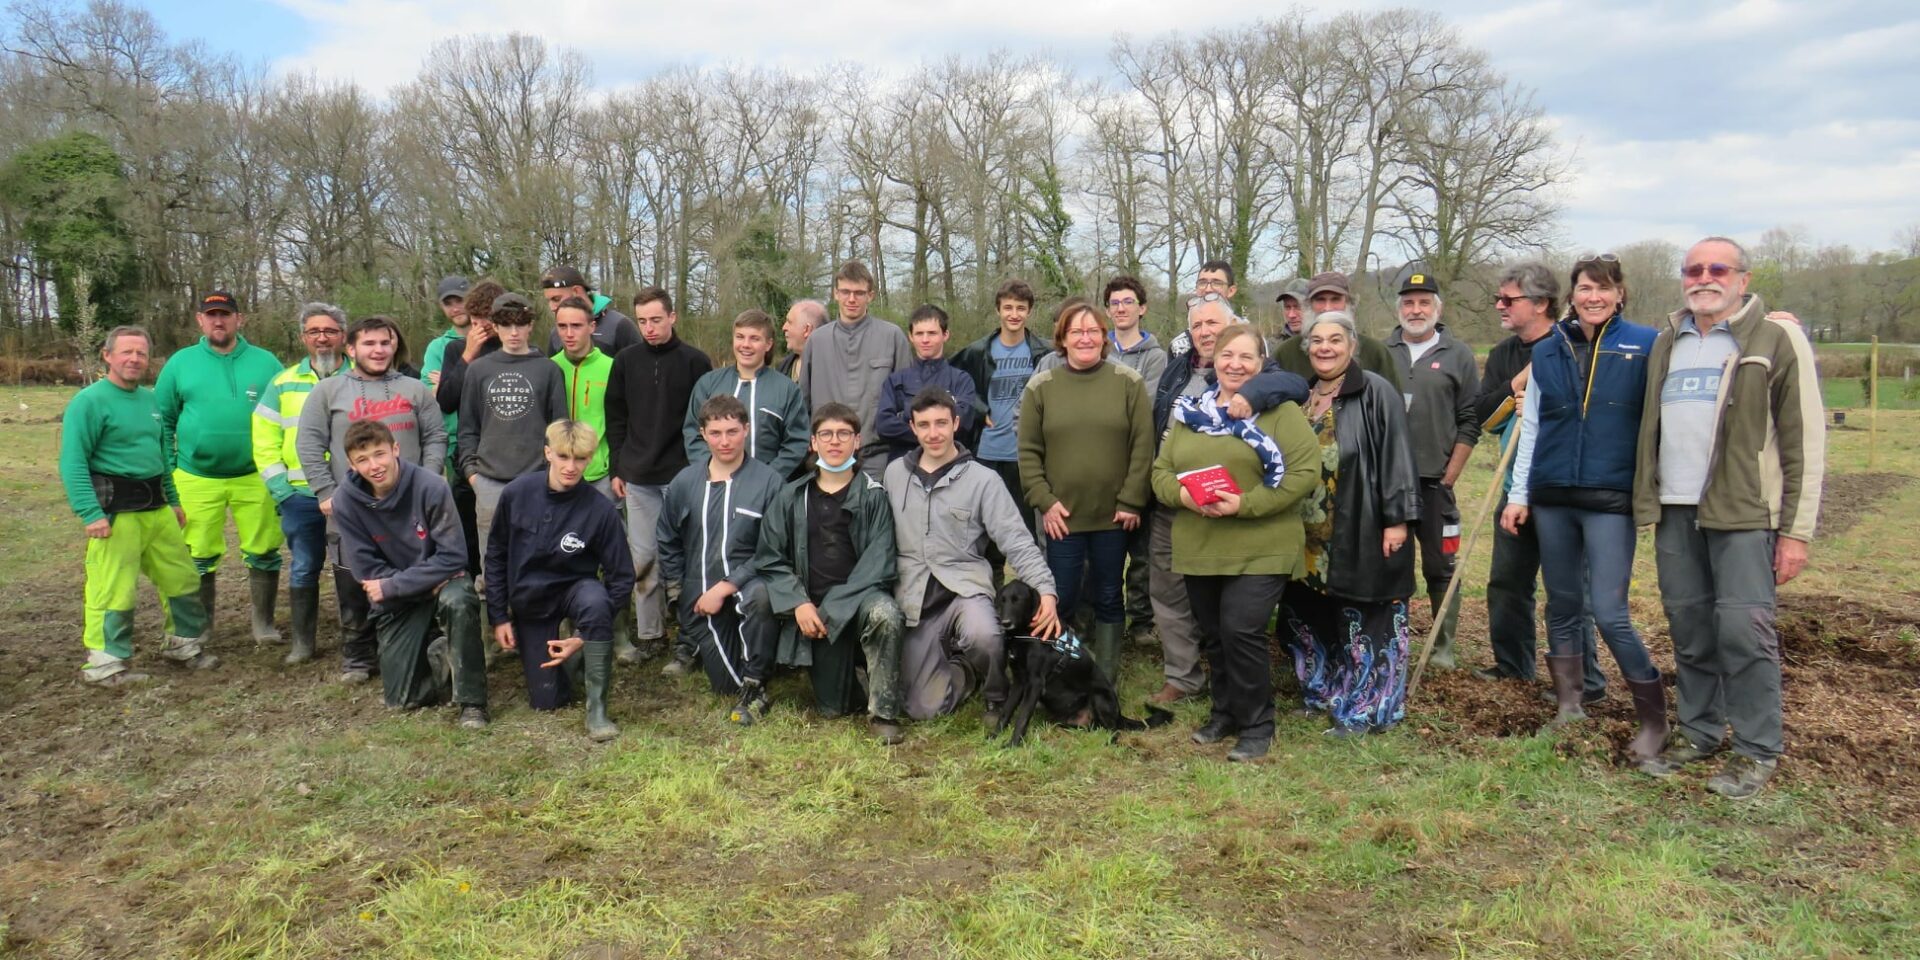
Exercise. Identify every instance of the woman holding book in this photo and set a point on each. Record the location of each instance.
(1086, 448)
(1237, 486)
(1345, 611)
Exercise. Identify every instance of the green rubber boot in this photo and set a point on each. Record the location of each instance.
(1109, 639)
(599, 672)
(208, 591)
(303, 618)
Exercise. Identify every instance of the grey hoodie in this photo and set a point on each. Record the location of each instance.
(410, 538)
(404, 404)
(939, 530)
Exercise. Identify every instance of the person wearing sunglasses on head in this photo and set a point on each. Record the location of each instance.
(1527, 300)
(1730, 461)
(1573, 476)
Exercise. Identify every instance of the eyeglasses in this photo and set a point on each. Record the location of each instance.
(1504, 302)
(322, 332)
(1596, 258)
(1123, 302)
(1204, 298)
(1719, 271)
(1205, 283)
(842, 434)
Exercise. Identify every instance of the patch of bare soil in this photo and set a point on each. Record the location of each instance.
(1845, 498)
(1850, 681)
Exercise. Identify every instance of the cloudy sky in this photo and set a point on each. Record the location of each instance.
(1686, 117)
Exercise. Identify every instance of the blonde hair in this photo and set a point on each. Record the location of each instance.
(575, 438)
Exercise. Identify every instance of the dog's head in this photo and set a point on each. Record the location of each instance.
(1015, 607)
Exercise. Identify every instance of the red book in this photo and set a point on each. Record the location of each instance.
(1207, 483)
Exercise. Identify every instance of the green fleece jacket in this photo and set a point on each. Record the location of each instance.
(110, 429)
(1086, 440)
(1265, 536)
(206, 403)
(587, 401)
(1769, 452)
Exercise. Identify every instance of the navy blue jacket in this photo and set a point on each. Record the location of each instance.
(543, 542)
(893, 420)
(1589, 422)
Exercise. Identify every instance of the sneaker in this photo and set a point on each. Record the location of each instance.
(1678, 753)
(751, 706)
(121, 679)
(1742, 777)
(681, 665)
(473, 718)
(1249, 749)
(887, 731)
(354, 675)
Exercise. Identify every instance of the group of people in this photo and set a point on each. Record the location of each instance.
(852, 509)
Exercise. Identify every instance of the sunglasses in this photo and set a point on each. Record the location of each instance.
(1596, 258)
(1504, 302)
(1719, 271)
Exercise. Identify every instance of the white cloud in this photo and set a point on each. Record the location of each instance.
(1651, 163)
(1849, 181)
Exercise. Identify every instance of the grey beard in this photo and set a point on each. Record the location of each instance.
(325, 364)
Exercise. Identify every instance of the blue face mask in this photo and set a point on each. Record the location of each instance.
(843, 468)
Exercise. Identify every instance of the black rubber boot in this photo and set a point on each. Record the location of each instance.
(598, 656)
(303, 618)
(1568, 673)
(263, 589)
(1650, 708)
(207, 594)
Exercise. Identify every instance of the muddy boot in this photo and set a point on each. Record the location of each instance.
(1650, 708)
(263, 588)
(598, 663)
(1567, 674)
(207, 593)
(1108, 642)
(302, 619)
(623, 632)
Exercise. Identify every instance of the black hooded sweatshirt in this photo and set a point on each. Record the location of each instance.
(543, 542)
(410, 538)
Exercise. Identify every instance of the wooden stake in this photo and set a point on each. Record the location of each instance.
(1873, 404)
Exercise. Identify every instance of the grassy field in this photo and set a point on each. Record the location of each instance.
(264, 811)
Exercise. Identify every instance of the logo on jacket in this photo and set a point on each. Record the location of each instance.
(571, 543)
(510, 395)
(364, 409)
(419, 530)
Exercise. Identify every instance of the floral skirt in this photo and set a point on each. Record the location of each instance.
(1350, 655)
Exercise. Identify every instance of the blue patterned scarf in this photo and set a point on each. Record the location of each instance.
(1205, 415)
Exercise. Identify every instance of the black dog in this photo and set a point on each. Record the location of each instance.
(1058, 674)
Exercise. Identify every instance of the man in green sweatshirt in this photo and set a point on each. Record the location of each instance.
(114, 470)
(206, 394)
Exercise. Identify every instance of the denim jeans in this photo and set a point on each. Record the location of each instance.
(1596, 548)
(1103, 550)
(306, 531)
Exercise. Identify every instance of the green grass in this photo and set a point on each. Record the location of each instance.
(266, 812)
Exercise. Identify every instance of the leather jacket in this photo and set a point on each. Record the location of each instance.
(1377, 486)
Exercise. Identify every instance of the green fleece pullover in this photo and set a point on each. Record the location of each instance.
(110, 429)
(206, 403)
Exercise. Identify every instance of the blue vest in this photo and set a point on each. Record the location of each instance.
(1589, 427)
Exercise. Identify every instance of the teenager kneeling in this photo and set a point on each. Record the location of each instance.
(558, 551)
(827, 555)
(401, 537)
